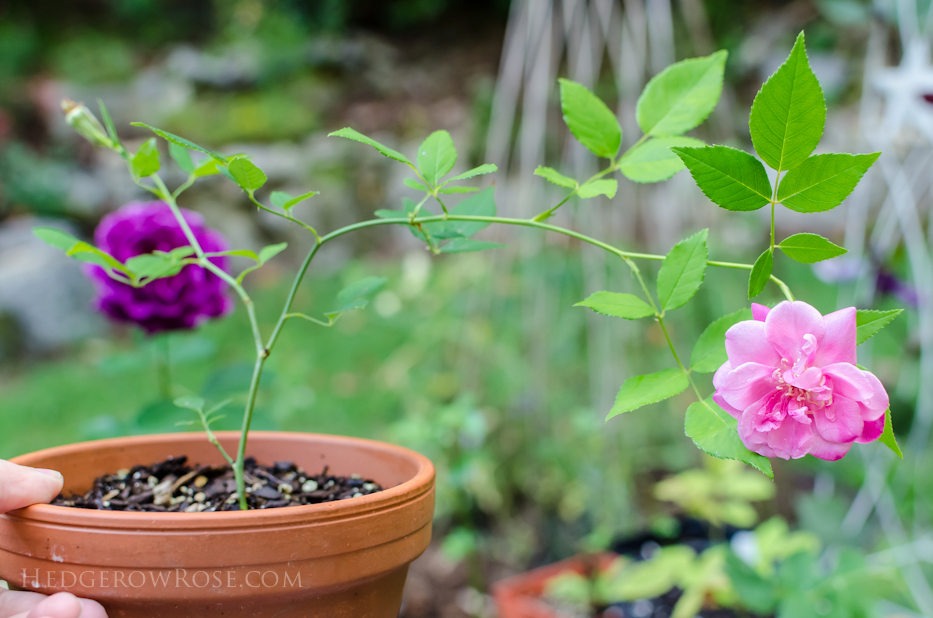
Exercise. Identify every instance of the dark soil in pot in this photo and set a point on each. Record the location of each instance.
(173, 486)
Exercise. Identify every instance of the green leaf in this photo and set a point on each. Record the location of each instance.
(208, 168)
(154, 265)
(709, 353)
(179, 141)
(823, 181)
(482, 204)
(411, 183)
(384, 213)
(354, 295)
(553, 176)
(617, 305)
(607, 187)
(640, 391)
(270, 251)
(182, 157)
(56, 238)
(809, 248)
(78, 249)
(681, 96)
(887, 436)
(761, 273)
(192, 403)
(356, 136)
(756, 593)
(732, 179)
(590, 120)
(464, 245)
(788, 113)
(436, 157)
(486, 168)
(715, 432)
(285, 201)
(449, 190)
(654, 160)
(146, 160)
(869, 322)
(682, 272)
(246, 174)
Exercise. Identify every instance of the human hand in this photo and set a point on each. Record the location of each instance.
(19, 487)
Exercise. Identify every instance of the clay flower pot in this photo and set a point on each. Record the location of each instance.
(520, 596)
(340, 559)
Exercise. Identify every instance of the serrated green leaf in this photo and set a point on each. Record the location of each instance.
(619, 305)
(640, 391)
(486, 168)
(451, 190)
(354, 295)
(732, 179)
(709, 353)
(179, 141)
(465, 245)
(715, 432)
(237, 253)
(607, 187)
(682, 271)
(887, 436)
(482, 204)
(146, 160)
(182, 157)
(356, 136)
(553, 176)
(869, 322)
(681, 96)
(417, 185)
(788, 113)
(56, 238)
(436, 157)
(270, 251)
(823, 181)
(654, 160)
(810, 248)
(278, 198)
(246, 174)
(590, 120)
(760, 274)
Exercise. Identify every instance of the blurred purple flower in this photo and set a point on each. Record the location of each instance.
(181, 302)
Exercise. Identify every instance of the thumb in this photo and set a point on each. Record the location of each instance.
(21, 486)
(61, 605)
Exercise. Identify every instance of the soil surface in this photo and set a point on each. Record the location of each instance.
(173, 486)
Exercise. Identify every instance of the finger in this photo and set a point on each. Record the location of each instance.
(61, 605)
(21, 486)
(18, 604)
(92, 609)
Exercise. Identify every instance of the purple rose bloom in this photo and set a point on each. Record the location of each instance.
(181, 302)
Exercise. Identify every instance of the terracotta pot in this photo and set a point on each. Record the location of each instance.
(340, 559)
(520, 596)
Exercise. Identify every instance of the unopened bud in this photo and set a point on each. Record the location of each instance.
(83, 121)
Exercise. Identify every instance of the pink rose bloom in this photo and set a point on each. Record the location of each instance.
(792, 384)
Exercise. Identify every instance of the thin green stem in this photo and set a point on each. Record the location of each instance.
(244, 431)
(686, 371)
(285, 216)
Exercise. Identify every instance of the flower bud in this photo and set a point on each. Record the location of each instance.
(83, 121)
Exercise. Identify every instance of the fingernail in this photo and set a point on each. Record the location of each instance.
(53, 473)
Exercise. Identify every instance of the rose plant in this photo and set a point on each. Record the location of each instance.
(786, 380)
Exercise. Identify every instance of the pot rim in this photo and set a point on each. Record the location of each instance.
(387, 499)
